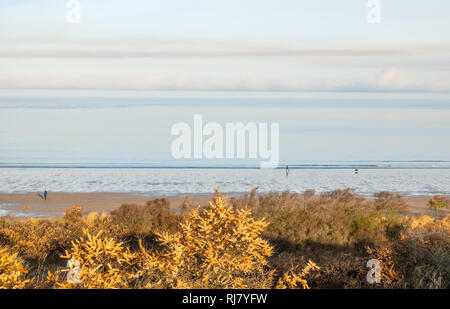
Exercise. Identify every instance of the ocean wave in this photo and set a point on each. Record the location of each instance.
(176, 181)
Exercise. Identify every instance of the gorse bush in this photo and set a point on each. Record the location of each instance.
(35, 239)
(104, 263)
(12, 272)
(420, 257)
(438, 202)
(218, 247)
(256, 241)
(339, 218)
(292, 279)
(143, 220)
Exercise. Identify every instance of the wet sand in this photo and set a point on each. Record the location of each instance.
(32, 205)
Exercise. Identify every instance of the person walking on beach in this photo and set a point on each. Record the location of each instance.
(287, 170)
(45, 195)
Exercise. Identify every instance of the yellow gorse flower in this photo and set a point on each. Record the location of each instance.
(103, 261)
(295, 280)
(11, 271)
(216, 247)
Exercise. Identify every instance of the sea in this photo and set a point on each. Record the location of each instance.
(408, 178)
(120, 141)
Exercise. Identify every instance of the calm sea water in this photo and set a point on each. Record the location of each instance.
(116, 128)
(120, 141)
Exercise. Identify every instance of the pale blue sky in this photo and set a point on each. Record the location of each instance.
(226, 45)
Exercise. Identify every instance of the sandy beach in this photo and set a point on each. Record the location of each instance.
(32, 205)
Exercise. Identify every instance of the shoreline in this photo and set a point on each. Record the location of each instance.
(28, 205)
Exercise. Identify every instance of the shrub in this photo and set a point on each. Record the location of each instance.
(104, 263)
(292, 278)
(218, 247)
(420, 258)
(256, 241)
(390, 204)
(437, 202)
(11, 271)
(130, 219)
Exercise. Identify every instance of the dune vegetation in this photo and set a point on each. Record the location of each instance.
(272, 240)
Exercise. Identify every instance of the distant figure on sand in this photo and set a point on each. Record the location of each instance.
(287, 170)
(45, 195)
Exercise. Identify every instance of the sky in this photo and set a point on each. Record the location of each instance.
(340, 87)
(264, 45)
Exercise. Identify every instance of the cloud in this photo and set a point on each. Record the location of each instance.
(144, 47)
(393, 77)
(390, 80)
(155, 64)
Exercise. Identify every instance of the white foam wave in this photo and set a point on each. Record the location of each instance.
(178, 181)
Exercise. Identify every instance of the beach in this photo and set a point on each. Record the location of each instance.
(104, 189)
(32, 205)
(196, 145)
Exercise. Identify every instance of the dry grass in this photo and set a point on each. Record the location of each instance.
(257, 241)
